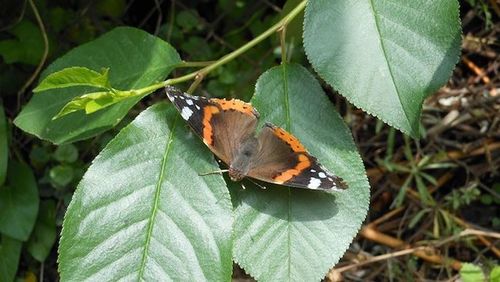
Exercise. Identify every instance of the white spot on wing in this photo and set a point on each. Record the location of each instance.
(186, 113)
(189, 102)
(197, 107)
(322, 175)
(314, 183)
(182, 97)
(312, 170)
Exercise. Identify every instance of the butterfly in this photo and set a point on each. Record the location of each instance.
(228, 128)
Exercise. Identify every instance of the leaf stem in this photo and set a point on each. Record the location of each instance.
(282, 32)
(185, 64)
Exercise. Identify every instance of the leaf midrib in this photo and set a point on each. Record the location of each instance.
(156, 198)
(382, 46)
(287, 125)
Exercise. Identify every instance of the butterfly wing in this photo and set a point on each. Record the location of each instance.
(282, 159)
(222, 124)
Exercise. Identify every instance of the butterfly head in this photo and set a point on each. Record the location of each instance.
(235, 174)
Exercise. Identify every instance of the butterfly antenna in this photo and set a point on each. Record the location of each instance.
(214, 172)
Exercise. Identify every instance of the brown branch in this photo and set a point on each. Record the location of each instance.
(477, 70)
(427, 254)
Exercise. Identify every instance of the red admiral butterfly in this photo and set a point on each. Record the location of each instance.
(228, 128)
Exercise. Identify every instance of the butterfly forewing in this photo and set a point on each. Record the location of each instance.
(223, 125)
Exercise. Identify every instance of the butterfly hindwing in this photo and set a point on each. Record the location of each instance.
(282, 159)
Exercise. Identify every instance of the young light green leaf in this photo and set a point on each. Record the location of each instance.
(74, 76)
(495, 274)
(135, 58)
(385, 57)
(96, 101)
(157, 218)
(284, 234)
(18, 202)
(44, 234)
(4, 148)
(10, 252)
(471, 273)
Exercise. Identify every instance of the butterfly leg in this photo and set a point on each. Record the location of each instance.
(259, 185)
(213, 172)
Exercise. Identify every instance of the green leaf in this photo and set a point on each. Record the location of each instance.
(385, 57)
(4, 147)
(135, 58)
(417, 218)
(18, 202)
(27, 48)
(423, 191)
(61, 175)
(96, 101)
(66, 153)
(282, 233)
(187, 19)
(44, 234)
(156, 218)
(74, 76)
(495, 274)
(471, 273)
(10, 252)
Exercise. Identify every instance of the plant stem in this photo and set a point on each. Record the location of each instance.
(185, 64)
(283, 44)
(229, 57)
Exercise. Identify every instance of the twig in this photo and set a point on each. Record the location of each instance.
(477, 70)
(429, 254)
(380, 258)
(386, 216)
(159, 18)
(44, 56)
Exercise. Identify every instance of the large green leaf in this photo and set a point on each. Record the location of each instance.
(18, 202)
(10, 252)
(44, 234)
(143, 212)
(135, 59)
(284, 234)
(4, 148)
(385, 57)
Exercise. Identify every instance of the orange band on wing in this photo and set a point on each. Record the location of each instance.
(289, 139)
(234, 104)
(208, 112)
(304, 163)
